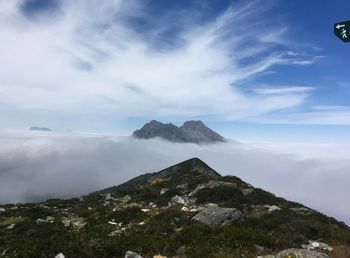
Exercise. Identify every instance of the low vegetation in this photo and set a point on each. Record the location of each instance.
(146, 220)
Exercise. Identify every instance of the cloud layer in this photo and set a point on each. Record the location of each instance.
(35, 167)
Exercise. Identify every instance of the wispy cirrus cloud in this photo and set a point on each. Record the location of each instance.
(283, 90)
(93, 56)
(318, 115)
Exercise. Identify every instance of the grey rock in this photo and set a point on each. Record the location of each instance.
(50, 219)
(131, 254)
(163, 191)
(212, 184)
(11, 226)
(60, 255)
(66, 222)
(272, 208)
(317, 245)
(182, 186)
(115, 233)
(247, 191)
(125, 199)
(302, 211)
(177, 200)
(217, 215)
(39, 221)
(297, 253)
(109, 197)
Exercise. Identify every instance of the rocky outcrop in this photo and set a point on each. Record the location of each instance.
(177, 200)
(302, 211)
(217, 216)
(212, 184)
(315, 245)
(131, 254)
(297, 253)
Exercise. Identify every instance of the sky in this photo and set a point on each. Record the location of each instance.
(252, 70)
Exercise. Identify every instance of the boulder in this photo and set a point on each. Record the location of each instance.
(50, 219)
(247, 191)
(115, 233)
(66, 222)
(217, 215)
(272, 208)
(317, 246)
(131, 254)
(297, 253)
(163, 191)
(11, 226)
(177, 200)
(302, 211)
(60, 255)
(39, 221)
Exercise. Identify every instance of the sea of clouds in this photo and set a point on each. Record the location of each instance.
(37, 166)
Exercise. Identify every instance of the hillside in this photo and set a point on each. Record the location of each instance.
(186, 210)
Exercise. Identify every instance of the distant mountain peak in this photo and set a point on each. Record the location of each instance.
(193, 124)
(37, 128)
(190, 131)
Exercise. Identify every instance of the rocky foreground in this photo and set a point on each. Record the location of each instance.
(187, 210)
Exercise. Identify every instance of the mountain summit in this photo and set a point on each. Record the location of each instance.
(190, 167)
(190, 131)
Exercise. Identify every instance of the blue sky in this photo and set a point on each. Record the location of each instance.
(252, 70)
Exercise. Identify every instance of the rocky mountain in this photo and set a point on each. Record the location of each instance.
(190, 131)
(186, 210)
(36, 128)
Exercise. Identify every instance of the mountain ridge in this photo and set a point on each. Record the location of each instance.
(187, 210)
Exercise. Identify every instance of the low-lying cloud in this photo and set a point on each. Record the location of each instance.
(36, 167)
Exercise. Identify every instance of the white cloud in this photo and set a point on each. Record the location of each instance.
(35, 166)
(86, 58)
(283, 90)
(319, 116)
(331, 108)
